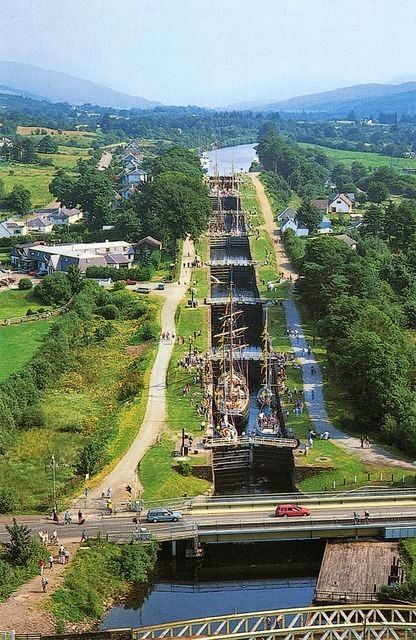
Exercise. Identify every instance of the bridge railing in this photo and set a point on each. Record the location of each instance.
(277, 623)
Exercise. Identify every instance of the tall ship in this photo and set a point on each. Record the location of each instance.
(268, 424)
(231, 396)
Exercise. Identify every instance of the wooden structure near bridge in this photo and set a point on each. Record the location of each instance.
(355, 571)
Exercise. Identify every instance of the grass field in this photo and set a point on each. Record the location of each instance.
(370, 160)
(18, 343)
(36, 178)
(83, 400)
(15, 303)
(348, 472)
(157, 469)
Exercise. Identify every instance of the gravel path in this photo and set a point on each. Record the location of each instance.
(124, 473)
(313, 382)
(24, 610)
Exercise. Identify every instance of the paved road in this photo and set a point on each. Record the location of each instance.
(125, 471)
(121, 526)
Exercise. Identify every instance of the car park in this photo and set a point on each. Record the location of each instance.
(162, 514)
(291, 510)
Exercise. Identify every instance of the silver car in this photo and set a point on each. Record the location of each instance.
(162, 514)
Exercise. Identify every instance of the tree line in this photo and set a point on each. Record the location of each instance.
(362, 304)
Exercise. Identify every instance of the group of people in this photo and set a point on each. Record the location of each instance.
(63, 558)
(269, 422)
(357, 518)
(165, 336)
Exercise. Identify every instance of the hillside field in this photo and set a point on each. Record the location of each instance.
(370, 160)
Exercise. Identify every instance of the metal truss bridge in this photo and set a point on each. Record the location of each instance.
(365, 622)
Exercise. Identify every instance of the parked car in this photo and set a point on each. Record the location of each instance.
(143, 290)
(291, 510)
(160, 286)
(162, 514)
(129, 281)
(32, 273)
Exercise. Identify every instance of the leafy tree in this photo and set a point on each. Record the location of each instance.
(25, 284)
(54, 289)
(137, 561)
(75, 278)
(19, 549)
(19, 200)
(47, 144)
(61, 187)
(310, 215)
(377, 191)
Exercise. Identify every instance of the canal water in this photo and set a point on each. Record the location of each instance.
(230, 579)
(224, 161)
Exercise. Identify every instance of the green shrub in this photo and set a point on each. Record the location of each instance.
(119, 285)
(108, 311)
(25, 284)
(184, 468)
(149, 331)
(8, 500)
(32, 416)
(71, 427)
(136, 561)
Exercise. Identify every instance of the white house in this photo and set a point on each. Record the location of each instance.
(301, 230)
(287, 213)
(288, 224)
(63, 216)
(12, 228)
(341, 204)
(324, 227)
(39, 225)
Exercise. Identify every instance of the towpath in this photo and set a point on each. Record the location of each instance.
(24, 611)
(313, 382)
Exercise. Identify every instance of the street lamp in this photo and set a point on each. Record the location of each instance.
(53, 460)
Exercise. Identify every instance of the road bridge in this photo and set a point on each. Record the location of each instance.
(378, 622)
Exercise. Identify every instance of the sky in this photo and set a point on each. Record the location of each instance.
(214, 52)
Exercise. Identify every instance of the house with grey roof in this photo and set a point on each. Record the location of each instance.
(51, 258)
(39, 225)
(12, 228)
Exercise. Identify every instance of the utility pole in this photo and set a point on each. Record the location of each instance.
(55, 506)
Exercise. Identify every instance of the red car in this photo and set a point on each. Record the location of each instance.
(31, 273)
(130, 281)
(291, 510)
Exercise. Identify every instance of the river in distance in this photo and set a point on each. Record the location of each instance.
(231, 159)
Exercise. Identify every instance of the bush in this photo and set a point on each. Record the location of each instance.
(119, 285)
(32, 416)
(8, 500)
(184, 468)
(54, 289)
(25, 284)
(108, 311)
(71, 427)
(148, 332)
(136, 562)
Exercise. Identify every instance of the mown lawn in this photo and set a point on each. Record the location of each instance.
(370, 160)
(18, 343)
(15, 303)
(157, 469)
(348, 472)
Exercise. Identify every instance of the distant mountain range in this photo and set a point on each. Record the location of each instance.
(364, 99)
(40, 84)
